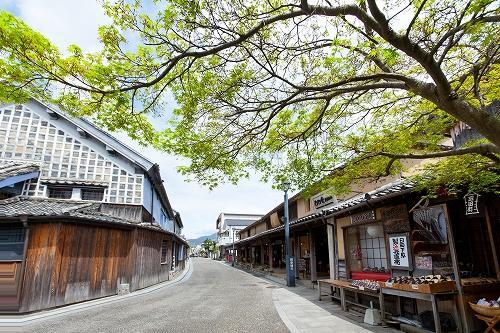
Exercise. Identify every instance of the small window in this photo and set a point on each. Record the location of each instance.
(60, 192)
(95, 194)
(11, 244)
(164, 244)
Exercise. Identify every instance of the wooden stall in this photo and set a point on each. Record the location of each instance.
(453, 240)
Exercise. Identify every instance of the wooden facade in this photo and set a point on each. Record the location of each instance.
(68, 263)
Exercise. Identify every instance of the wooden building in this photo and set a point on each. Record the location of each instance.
(82, 215)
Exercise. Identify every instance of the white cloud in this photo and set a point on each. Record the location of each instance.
(65, 22)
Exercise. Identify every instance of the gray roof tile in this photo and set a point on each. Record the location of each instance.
(14, 168)
(396, 187)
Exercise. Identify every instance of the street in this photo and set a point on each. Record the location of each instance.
(215, 298)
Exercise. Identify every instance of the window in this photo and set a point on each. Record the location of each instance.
(366, 248)
(95, 194)
(163, 220)
(164, 245)
(60, 192)
(11, 244)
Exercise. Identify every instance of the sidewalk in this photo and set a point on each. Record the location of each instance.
(301, 311)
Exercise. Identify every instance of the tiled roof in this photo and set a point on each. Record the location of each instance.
(398, 187)
(68, 181)
(90, 211)
(33, 206)
(15, 168)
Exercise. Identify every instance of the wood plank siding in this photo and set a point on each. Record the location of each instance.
(69, 263)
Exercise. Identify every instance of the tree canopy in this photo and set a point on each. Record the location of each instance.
(293, 89)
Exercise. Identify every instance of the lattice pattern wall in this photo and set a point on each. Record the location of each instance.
(372, 247)
(26, 136)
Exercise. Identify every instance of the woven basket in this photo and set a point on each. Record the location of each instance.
(485, 310)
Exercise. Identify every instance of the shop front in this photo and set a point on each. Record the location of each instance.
(423, 260)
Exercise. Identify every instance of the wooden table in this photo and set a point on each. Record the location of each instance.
(491, 322)
(343, 285)
(425, 297)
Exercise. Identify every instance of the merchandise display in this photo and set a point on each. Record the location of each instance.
(428, 279)
(375, 270)
(365, 284)
(492, 303)
(429, 284)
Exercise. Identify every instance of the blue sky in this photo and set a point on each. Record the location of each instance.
(75, 22)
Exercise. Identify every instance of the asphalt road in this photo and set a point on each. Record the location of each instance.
(215, 298)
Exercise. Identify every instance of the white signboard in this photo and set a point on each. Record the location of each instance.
(471, 200)
(323, 199)
(398, 246)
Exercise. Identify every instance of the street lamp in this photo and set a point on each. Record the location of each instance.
(290, 269)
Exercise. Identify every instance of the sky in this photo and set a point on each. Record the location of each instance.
(67, 22)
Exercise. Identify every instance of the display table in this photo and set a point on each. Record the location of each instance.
(343, 286)
(430, 297)
(491, 322)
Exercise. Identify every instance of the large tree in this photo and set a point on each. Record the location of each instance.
(293, 89)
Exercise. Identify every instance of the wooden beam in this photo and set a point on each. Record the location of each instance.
(492, 241)
(456, 271)
(312, 249)
(331, 250)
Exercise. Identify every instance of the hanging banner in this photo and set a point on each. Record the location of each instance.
(431, 223)
(398, 247)
(471, 200)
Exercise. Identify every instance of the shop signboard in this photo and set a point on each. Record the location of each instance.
(302, 265)
(367, 216)
(471, 200)
(323, 199)
(398, 248)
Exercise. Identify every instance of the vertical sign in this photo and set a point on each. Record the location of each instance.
(471, 200)
(398, 246)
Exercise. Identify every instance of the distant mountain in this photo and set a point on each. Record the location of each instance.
(199, 240)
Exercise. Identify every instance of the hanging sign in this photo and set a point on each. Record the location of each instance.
(367, 216)
(398, 246)
(471, 200)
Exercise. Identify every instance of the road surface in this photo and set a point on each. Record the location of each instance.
(215, 298)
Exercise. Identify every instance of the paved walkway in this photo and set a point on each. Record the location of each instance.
(301, 311)
(301, 315)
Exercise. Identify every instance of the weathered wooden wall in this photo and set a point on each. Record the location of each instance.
(10, 274)
(69, 263)
(147, 269)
